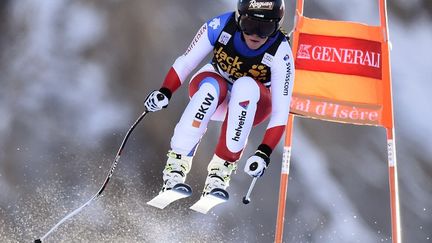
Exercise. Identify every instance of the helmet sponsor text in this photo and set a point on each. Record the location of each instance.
(260, 5)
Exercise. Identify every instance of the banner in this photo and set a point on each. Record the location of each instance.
(342, 72)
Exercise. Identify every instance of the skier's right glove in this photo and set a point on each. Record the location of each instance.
(256, 164)
(156, 101)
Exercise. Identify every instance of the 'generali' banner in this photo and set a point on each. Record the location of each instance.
(341, 55)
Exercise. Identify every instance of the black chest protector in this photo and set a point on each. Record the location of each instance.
(233, 65)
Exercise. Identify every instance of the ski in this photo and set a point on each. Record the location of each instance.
(178, 191)
(207, 202)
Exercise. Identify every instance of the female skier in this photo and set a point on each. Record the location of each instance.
(249, 79)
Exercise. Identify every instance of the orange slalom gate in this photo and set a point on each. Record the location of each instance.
(342, 75)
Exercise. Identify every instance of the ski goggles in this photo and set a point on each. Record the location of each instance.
(263, 28)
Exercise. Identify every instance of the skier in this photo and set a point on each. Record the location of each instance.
(249, 79)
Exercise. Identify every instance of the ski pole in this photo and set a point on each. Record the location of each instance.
(246, 199)
(107, 179)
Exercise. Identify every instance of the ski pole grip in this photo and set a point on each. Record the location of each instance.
(160, 97)
(253, 166)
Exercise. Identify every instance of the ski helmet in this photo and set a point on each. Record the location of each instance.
(261, 17)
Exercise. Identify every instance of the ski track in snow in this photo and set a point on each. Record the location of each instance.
(120, 217)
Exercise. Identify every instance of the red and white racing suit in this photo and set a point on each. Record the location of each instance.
(241, 87)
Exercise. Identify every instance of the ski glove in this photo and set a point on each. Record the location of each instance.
(156, 101)
(256, 164)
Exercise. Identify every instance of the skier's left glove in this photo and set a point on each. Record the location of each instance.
(257, 163)
(156, 101)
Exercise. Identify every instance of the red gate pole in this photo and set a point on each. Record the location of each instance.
(391, 141)
(284, 180)
(286, 156)
(394, 189)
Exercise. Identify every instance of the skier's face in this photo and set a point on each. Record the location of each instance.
(254, 41)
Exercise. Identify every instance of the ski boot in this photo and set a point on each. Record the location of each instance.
(219, 172)
(176, 169)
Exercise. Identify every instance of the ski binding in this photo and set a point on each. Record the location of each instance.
(178, 191)
(207, 202)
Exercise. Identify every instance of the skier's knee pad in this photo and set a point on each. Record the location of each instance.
(208, 89)
(219, 84)
(245, 88)
(211, 81)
